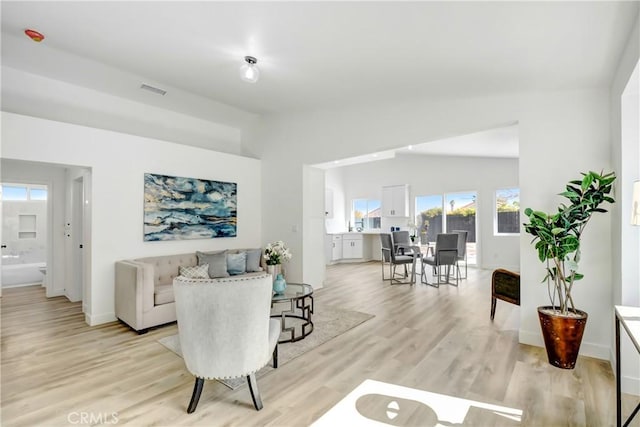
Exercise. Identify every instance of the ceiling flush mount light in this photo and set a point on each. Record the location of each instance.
(34, 35)
(249, 72)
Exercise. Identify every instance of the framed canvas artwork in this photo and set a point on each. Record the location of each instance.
(178, 208)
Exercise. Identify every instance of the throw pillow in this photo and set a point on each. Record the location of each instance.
(217, 263)
(237, 263)
(195, 272)
(253, 260)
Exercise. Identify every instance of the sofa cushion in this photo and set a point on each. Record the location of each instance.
(167, 267)
(253, 260)
(195, 272)
(163, 294)
(217, 263)
(237, 263)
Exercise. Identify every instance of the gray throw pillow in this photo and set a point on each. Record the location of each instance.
(237, 263)
(253, 260)
(217, 263)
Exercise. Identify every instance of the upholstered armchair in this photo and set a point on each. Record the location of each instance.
(225, 329)
(505, 285)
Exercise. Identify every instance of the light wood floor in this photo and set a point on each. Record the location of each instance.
(55, 367)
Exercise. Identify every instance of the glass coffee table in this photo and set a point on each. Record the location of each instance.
(296, 316)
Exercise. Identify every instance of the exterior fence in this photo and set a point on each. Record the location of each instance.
(454, 222)
(508, 222)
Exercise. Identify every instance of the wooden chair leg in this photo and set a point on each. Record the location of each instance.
(493, 307)
(195, 397)
(255, 393)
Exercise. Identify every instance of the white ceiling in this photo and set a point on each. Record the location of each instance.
(318, 54)
(499, 142)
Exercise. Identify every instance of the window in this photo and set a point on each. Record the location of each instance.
(507, 216)
(17, 192)
(365, 214)
(13, 193)
(428, 217)
(460, 213)
(443, 213)
(38, 194)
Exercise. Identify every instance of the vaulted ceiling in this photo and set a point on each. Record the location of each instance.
(316, 55)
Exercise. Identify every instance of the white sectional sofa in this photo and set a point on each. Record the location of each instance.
(144, 286)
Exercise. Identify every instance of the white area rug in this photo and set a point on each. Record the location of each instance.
(375, 403)
(328, 323)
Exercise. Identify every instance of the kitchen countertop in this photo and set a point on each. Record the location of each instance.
(356, 232)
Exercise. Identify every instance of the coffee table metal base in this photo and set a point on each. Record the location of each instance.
(305, 310)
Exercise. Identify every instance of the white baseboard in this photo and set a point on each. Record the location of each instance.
(495, 267)
(586, 348)
(93, 320)
(628, 384)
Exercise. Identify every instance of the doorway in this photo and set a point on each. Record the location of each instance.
(76, 291)
(25, 234)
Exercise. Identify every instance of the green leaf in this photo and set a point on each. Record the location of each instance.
(540, 214)
(571, 265)
(528, 211)
(557, 231)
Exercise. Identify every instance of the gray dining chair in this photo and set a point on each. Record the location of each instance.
(445, 254)
(391, 258)
(462, 251)
(401, 241)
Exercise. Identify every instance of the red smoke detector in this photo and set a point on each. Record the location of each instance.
(34, 35)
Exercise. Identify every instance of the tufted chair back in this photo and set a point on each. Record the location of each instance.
(224, 325)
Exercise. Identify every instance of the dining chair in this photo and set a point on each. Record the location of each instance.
(393, 259)
(401, 241)
(445, 254)
(462, 251)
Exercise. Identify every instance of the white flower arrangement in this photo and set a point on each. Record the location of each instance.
(276, 253)
(411, 225)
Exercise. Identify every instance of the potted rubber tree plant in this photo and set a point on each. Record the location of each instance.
(557, 241)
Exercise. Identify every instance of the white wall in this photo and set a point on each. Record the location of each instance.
(54, 177)
(35, 95)
(428, 175)
(313, 227)
(625, 272)
(334, 180)
(118, 163)
(561, 134)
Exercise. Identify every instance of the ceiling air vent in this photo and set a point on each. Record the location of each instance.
(153, 89)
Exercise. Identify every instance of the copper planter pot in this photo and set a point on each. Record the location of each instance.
(562, 336)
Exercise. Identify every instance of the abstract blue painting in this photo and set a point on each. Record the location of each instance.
(177, 208)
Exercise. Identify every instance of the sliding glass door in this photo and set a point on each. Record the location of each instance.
(438, 213)
(460, 214)
(429, 221)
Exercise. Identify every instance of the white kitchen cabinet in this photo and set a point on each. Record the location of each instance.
(336, 247)
(352, 246)
(395, 201)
